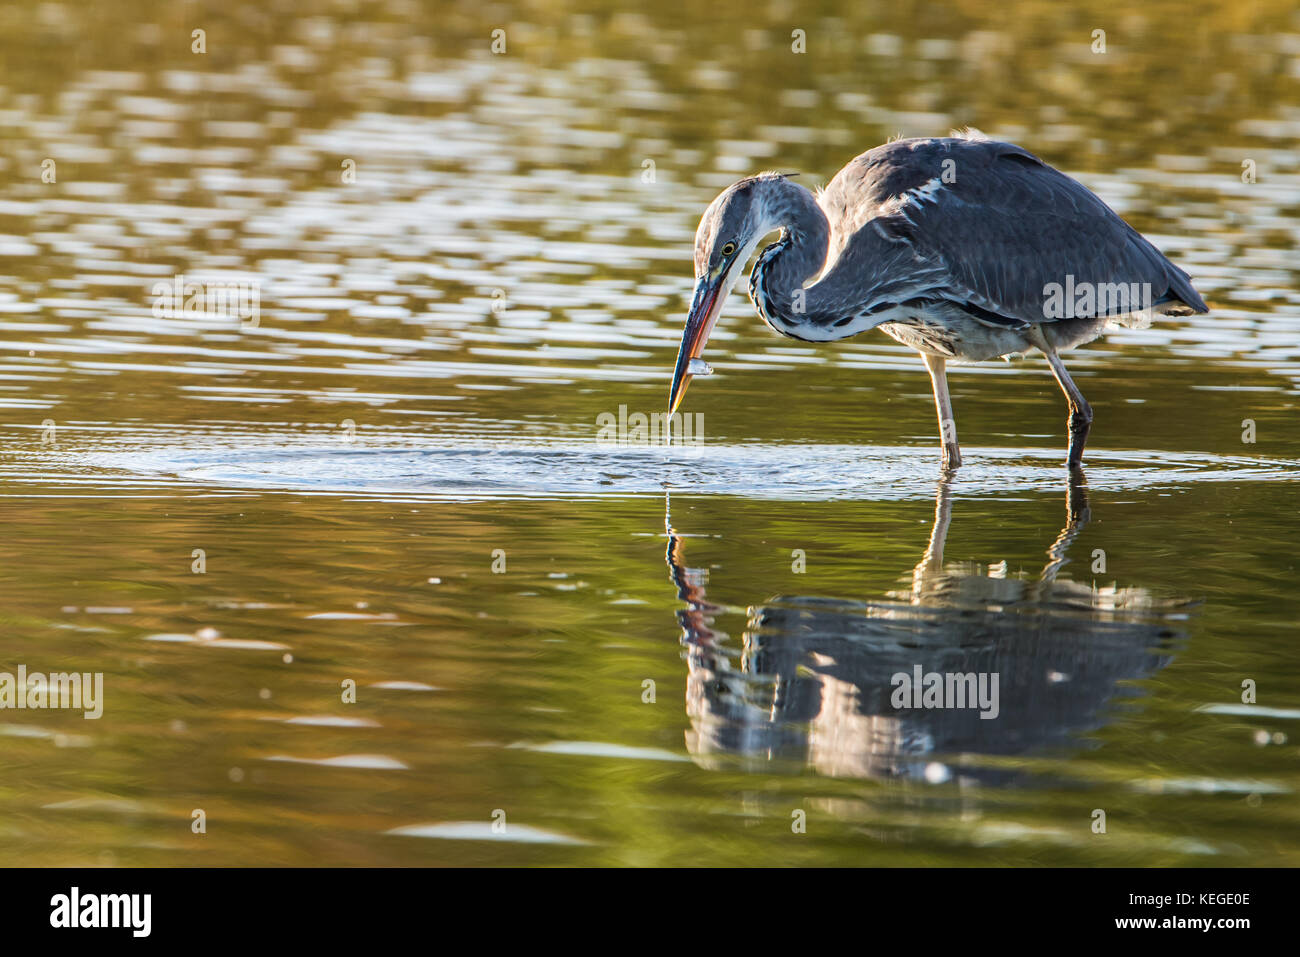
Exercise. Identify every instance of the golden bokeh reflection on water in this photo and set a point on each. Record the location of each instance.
(362, 577)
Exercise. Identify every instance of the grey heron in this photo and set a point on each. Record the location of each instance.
(962, 248)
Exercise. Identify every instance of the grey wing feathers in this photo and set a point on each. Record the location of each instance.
(997, 222)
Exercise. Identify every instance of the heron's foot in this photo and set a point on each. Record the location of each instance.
(1079, 423)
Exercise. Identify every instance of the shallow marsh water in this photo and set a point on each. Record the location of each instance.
(394, 478)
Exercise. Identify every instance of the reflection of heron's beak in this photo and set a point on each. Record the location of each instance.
(699, 325)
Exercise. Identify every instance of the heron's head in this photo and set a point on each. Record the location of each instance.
(728, 235)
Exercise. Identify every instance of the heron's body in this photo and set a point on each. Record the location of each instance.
(961, 248)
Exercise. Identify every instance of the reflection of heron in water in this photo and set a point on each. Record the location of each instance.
(814, 680)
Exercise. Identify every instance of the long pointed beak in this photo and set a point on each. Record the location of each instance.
(699, 325)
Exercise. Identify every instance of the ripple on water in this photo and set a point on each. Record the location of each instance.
(484, 831)
(487, 470)
(327, 721)
(1251, 711)
(367, 762)
(244, 644)
(602, 749)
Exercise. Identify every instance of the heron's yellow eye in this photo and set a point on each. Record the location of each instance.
(728, 249)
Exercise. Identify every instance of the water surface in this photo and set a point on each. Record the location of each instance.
(393, 483)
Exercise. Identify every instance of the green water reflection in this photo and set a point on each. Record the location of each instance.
(500, 272)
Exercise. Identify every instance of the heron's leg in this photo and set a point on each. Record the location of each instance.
(1077, 515)
(943, 405)
(1080, 420)
(931, 564)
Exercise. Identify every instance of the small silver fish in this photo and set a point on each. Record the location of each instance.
(699, 367)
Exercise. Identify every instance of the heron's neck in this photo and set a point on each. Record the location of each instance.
(777, 285)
